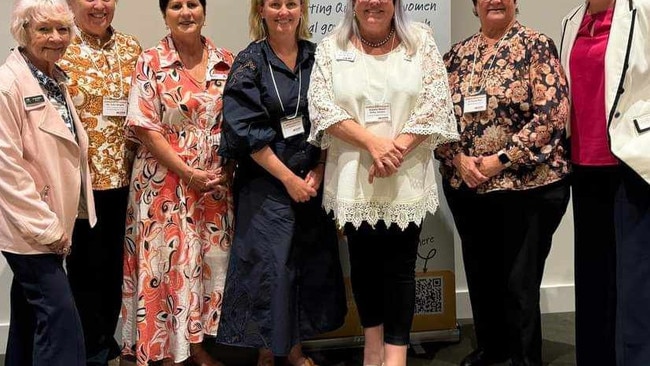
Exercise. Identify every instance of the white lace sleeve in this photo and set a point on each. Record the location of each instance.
(323, 111)
(433, 113)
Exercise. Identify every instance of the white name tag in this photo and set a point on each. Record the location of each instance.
(292, 126)
(475, 103)
(349, 56)
(375, 113)
(114, 107)
(211, 75)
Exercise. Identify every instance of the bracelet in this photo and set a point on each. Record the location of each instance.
(191, 177)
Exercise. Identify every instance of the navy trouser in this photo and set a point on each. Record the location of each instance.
(44, 329)
(632, 219)
(594, 191)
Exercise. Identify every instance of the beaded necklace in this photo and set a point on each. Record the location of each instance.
(380, 43)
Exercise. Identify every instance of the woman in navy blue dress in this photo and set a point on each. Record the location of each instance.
(284, 281)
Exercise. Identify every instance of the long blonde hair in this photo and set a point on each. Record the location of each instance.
(257, 27)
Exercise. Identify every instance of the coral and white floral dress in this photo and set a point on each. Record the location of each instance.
(177, 240)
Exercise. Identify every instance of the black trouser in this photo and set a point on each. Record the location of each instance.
(95, 274)
(44, 328)
(594, 191)
(506, 237)
(632, 218)
(382, 272)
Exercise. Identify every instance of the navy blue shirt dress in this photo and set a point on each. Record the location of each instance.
(284, 281)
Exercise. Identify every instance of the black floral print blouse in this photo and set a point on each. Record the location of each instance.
(527, 108)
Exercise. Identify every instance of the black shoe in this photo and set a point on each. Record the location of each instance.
(480, 358)
(476, 358)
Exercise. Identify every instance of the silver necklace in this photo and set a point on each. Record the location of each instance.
(380, 43)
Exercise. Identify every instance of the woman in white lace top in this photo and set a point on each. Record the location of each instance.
(380, 104)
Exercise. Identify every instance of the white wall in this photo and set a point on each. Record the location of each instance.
(227, 26)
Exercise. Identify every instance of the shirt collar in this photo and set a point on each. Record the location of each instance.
(59, 76)
(304, 54)
(169, 56)
(96, 42)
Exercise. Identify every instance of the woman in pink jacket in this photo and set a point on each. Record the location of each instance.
(44, 186)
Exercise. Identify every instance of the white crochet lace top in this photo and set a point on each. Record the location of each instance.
(343, 82)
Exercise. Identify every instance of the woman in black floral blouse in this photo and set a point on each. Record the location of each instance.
(504, 180)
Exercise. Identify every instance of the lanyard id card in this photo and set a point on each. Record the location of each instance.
(292, 126)
(114, 107)
(379, 112)
(475, 103)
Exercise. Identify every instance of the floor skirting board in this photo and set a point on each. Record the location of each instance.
(554, 299)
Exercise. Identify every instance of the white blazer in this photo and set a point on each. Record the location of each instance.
(627, 79)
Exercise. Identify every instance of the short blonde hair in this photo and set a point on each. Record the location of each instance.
(257, 27)
(28, 11)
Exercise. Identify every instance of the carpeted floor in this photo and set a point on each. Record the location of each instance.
(558, 348)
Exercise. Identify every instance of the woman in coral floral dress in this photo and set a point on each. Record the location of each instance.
(180, 206)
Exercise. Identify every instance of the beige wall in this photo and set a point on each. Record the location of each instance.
(227, 26)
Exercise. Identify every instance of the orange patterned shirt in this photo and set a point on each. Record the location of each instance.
(97, 72)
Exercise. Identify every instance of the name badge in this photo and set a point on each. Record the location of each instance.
(376, 113)
(214, 75)
(292, 126)
(475, 103)
(349, 56)
(114, 107)
(33, 101)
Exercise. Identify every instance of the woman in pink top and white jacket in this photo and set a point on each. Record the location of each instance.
(605, 53)
(44, 186)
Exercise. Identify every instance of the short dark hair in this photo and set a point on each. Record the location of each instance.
(474, 10)
(163, 5)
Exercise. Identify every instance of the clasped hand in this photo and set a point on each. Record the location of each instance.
(302, 190)
(477, 170)
(387, 156)
(209, 180)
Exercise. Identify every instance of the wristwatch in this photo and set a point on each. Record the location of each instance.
(504, 158)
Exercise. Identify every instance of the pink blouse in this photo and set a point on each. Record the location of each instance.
(589, 143)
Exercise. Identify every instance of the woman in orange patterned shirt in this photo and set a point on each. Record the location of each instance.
(100, 62)
(179, 216)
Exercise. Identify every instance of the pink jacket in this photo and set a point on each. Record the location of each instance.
(43, 169)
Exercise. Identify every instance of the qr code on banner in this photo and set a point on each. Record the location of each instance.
(428, 295)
